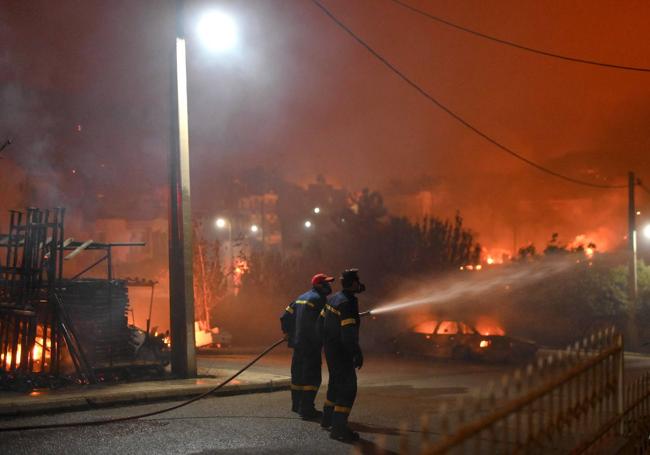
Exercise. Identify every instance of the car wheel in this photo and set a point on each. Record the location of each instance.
(460, 353)
(397, 350)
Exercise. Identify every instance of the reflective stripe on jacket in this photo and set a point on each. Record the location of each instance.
(340, 322)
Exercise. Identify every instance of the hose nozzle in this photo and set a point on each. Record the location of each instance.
(365, 314)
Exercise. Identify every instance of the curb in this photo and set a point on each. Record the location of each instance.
(23, 407)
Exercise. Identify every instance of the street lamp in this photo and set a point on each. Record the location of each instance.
(219, 34)
(217, 31)
(308, 224)
(316, 210)
(255, 228)
(221, 223)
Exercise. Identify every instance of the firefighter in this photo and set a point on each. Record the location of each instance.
(299, 322)
(340, 330)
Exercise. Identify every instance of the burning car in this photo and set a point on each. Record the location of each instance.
(459, 340)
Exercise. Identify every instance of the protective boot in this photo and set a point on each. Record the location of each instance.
(307, 409)
(295, 400)
(340, 430)
(326, 421)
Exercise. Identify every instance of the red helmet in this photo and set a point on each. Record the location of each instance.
(321, 278)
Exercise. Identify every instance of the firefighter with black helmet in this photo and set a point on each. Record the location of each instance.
(299, 323)
(340, 330)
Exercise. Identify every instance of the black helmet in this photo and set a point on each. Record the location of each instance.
(349, 276)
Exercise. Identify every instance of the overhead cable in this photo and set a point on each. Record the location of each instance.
(520, 46)
(453, 114)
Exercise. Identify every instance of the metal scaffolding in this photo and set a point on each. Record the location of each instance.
(50, 325)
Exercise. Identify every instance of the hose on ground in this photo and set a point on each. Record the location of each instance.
(146, 414)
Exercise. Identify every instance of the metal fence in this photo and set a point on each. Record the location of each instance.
(573, 401)
(635, 421)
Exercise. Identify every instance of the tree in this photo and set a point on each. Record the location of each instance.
(209, 279)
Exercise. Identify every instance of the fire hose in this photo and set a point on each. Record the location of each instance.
(152, 413)
(160, 411)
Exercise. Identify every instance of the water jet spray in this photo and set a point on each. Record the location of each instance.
(440, 292)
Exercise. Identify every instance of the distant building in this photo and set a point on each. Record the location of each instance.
(306, 212)
(261, 212)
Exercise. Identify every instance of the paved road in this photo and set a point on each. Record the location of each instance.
(393, 394)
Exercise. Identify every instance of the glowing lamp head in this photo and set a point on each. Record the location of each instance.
(646, 231)
(255, 228)
(221, 223)
(217, 31)
(308, 224)
(316, 210)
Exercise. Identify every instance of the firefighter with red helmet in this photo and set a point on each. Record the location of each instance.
(299, 324)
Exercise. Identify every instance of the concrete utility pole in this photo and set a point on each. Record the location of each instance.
(632, 273)
(181, 289)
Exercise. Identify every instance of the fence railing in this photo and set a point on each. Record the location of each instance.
(560, 403)
(573, 401)
(634, 423)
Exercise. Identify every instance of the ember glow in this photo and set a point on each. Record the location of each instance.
(7, 360)
(239, 270)
(36, 354)
(37, 351)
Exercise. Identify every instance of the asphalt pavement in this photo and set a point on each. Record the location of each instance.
(393, 395)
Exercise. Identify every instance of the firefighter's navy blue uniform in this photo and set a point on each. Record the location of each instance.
(340, 329)
(288, 326)
(301, 317)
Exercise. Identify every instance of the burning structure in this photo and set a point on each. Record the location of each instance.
(53, 326)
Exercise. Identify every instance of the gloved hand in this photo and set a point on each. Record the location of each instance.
(357, 360)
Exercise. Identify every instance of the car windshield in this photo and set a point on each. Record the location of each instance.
(447, 328)
(466, 330)
(425, 327)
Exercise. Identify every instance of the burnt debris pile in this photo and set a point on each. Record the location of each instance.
(57, 329)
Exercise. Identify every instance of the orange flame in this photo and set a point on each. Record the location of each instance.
(487, 326)
(37, 354)
(239, 270)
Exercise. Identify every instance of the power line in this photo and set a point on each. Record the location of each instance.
(520, 46)
(452, 113)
